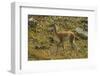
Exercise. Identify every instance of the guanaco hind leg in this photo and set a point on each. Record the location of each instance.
(73, 44)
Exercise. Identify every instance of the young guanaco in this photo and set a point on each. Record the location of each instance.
(63, 35)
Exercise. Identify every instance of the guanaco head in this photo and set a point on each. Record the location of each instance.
(52, 28)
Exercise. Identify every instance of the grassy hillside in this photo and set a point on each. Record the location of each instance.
(42, 43)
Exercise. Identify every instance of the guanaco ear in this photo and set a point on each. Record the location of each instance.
(56, 27)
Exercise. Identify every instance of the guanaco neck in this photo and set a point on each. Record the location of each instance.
(55, 30)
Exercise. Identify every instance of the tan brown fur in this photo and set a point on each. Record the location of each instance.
(69, 34)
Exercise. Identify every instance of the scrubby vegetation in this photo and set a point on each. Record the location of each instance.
(42, 42)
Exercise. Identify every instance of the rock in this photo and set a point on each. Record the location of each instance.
(81, 33)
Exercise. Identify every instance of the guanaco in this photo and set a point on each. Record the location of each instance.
(63, 35)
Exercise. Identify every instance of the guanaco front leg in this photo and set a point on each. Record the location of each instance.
(61, 43)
